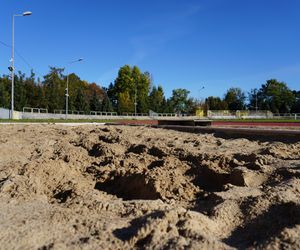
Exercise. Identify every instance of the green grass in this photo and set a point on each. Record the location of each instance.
(258, 120)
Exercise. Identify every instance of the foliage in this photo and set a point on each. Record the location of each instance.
(274, 96)
(179, 100)
(130, 86)
(157, 100)
(215, 103)
(235, 99)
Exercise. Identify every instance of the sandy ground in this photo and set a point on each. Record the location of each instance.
(110, 187)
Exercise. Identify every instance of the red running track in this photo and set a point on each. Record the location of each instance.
(219, 123)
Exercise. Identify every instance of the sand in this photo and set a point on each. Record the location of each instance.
(118, 187)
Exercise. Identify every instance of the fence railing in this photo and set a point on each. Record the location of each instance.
(250, 114)
(70, 112)
(291, 116)
(102, 113)
(135, 114)
(35, 110)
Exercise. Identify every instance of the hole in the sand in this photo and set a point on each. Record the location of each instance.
(109, 139)
(63, 196)
(131, 187)
(137, 149)
(245, 157)
(95, 151)
(208, 179)
(156, 164)
(156, 152)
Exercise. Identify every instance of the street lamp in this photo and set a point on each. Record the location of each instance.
(67, 88)
(12, 68)
(199, 90)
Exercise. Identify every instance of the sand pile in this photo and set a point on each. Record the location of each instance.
(96, 187)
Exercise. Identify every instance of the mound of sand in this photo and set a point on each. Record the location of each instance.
(110, 187)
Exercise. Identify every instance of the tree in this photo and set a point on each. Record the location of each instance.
(5, 89)
(179, 100)
(215, 103)
(131, 84)
(112, 96)
(54, 86)
(157, 101)
(95, 102)
(106, 105)
(125, 103)
(274, 96)
(235, 99)
(143, 82)
(80, 102)
(95, 96)
(296, 106)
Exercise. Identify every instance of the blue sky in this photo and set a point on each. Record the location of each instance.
(217, 44)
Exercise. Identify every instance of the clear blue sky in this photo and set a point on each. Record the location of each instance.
(182, 43)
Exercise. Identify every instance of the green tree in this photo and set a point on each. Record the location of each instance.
(157, 100)
(106, 105)
(125, 103)
(5, 89)
(20, 99)
(125, 89)
(54, 86)
(179, 100)
(80, 103)
(296, 106)
(143, 88)
(235, 99)
(215, 103)
(130, 85)
(112, 96)
(274, 96)
(95, 102)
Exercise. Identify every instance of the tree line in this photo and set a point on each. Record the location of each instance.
(133, 90)
(274, 96)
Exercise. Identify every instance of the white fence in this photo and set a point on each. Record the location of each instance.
(38, 113)
(291, 116)
(239, 114)
(35, 110)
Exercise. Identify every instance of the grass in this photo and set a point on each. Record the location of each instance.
(258, 120)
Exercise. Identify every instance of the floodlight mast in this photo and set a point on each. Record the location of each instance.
(12, 67)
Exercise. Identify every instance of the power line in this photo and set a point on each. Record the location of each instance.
(22, 58)
(6, 45)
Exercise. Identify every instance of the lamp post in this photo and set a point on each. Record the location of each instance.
(199, 90)
(12, 68)
(67, 88)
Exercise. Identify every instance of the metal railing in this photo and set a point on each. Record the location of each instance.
(103, 113)
(34, 110)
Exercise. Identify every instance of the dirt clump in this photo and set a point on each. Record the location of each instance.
(119, 187)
